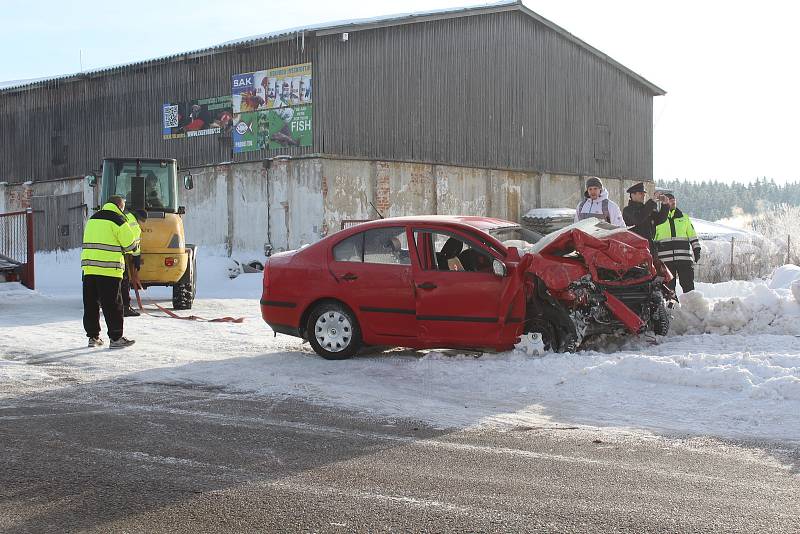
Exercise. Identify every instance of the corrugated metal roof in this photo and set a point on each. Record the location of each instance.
(328, 28)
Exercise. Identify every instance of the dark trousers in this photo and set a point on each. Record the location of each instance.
(102, 292)
(683, 270)
(125, 289)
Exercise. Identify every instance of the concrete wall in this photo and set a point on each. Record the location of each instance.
(17, 197)
(286, 203)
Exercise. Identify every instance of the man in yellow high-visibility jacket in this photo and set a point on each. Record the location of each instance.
(135, 220)
(106, 239)
(678, 246)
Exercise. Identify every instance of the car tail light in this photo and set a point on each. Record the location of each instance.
(169, 262)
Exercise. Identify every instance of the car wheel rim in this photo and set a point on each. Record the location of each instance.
(333, 331)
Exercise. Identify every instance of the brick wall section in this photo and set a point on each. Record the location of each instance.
(382, 188)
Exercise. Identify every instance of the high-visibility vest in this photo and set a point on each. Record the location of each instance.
(676, 238)
(137, 233)
(106, 239)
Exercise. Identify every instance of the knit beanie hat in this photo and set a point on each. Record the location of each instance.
(594, 181)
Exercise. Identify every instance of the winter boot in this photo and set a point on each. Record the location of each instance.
(130, 312)
(120, 343)
(95, 342)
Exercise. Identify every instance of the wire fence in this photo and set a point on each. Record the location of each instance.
(14, 236)
(16, 247)
(744, 257)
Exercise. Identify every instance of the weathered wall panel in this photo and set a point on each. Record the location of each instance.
(291, 202)
(206, 219)
(348, 187)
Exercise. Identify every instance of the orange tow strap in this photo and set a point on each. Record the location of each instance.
(174, 315)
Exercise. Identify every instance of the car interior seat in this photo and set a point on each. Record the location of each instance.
(469, 259)
(452, 247)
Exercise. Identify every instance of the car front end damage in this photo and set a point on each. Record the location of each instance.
(591, 279)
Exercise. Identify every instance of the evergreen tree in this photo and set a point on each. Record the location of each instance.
(712, 200)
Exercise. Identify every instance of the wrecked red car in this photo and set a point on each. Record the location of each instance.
(463, 282)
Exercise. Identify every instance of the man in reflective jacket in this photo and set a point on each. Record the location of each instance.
(678, 246)
(106, 239)
(135, 220)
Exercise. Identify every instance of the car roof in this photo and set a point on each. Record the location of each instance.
(481, 223)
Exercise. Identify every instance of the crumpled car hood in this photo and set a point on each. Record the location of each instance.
(600, 246)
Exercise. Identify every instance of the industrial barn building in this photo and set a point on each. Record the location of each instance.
(488, 110)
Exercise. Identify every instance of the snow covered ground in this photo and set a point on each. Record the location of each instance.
(730, 367)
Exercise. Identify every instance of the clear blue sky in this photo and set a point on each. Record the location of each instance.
(729, 67)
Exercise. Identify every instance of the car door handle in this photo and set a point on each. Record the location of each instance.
(349, 276)
(427, 285)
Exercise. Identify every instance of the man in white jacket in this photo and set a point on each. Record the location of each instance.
(596, 204)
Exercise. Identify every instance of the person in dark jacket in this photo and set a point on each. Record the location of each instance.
(644, 216)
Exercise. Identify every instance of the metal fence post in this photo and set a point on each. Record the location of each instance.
(732, 241)
(30, 276)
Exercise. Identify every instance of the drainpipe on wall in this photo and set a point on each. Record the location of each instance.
(231, 207)
(266, 164)
(286, 219)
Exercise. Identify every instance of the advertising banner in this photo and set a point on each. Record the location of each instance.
(271, 89)
(272, 128)
(272, 108)
(206, 116)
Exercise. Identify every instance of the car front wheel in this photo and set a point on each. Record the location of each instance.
(333, 331)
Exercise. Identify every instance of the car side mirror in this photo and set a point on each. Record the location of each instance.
(91, 179)
(513, 254)
(499, 268)
(181, 210)
(188, 181)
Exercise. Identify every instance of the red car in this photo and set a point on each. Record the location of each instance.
(460, 282)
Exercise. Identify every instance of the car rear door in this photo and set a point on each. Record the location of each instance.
(373, 269)
(458, 297)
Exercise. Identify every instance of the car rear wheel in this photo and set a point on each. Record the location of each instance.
(333, 331)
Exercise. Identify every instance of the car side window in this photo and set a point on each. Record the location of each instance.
(351, 249)
(451, 253)
(386, 245)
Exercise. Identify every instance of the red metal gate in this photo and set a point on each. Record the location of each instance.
(16, 247)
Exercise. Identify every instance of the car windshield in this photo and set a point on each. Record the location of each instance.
(516, 236)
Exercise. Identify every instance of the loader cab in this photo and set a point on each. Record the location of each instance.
(143, 183)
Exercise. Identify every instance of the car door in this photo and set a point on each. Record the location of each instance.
(458, 297)
(373, 269)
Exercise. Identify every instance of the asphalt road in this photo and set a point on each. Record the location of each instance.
(126, 457)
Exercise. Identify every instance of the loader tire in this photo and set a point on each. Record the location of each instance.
(184, 291)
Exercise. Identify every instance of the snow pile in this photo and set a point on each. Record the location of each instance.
(763, 310)
(544, 213)
(783, 277)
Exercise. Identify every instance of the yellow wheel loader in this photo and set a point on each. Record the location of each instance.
(152, 185)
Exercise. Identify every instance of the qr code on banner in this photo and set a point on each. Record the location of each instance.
(171, 116)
